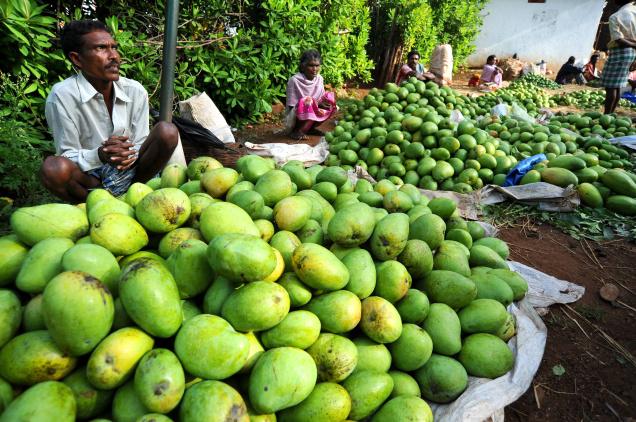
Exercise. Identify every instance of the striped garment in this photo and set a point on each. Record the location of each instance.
(115, 181)
(616, 68)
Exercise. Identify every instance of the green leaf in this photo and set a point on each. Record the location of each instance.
(31, 88)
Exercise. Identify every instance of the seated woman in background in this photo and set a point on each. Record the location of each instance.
(413, 67)
(589, 71)
(307, 98)
(491, 74)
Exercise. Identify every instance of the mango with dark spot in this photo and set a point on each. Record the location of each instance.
(352, 225)
(390, 236)
(171, 241)
(319, 268)
(120, 234)
(96, 261)
(256, 306)
(90, 400)
(380, 321)
(42, 402)
(213, 401)
(441, 379)
(159, 380)
(200, 165)
(190, 268)
(336, 357)
(404, 408)
(217, 182)
(327, 402)
(33, 224)
(241, 257)
(163, 210)
(10, 315)
(339, 311)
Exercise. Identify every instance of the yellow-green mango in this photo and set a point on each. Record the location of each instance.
(418, 211)
(412, 349)
(141, 254)
(368, 390)
(32, 318)
(33, 224)
(249, 200)
(173, 175)
(42, 263)
(517, 284)
(154, 183)
(362, 272)
(443, 207)
(443, 326)
(200, 165)
(352, 225)
(150, 297)
(97, 195)
(171, 241)
(237, 188)
(10, 315)
(397, 201)
(285, 242)
(78, 311)
(190, 268)
(404, 408)
(404, 385)
(389, 236)
(255, 351)
(109, 206)
(189, 309)
(252, 166)
(449, 257)
(163, 210)
(430, 228)
(508, 329)
(417, 257)
(6, 395)
(393, 281)
(281, 378)
(193, 186)
(299, 294)
(114, 359)
(159, 380)
(482, 316)
(496, 245)
(476, 230)
(120, 234)
(450, 288)
(321, 209)
(274, 186)
(486, 356)
(339, 311)
(12, 255)
(34, 357)
(208, 347)
(328, 402)
(256, 306)
(413, 307)
(152, 417)
(242, 258)
(311, 232)
(318, 267)
(441, 379)
(483, 256)
(341, 251)
(336, 175)
(90, 400)
(371, 355)
(40, 403)
(96, 261)
(266, 229)
(198, 203)
(126, 404)
(136, 193)
(217, 182)
(380, 321)
(298, 329)
(216, 295)
(292, 213)
(213, 401)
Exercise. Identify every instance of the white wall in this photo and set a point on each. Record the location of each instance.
(552, 31)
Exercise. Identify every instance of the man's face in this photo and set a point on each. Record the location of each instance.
(98, 58)
(413, 60)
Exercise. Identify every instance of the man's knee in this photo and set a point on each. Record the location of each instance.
(167, 134)
(57, 170)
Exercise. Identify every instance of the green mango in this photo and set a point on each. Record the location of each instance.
(496, 245)
(362, 272)
(311, 232)
(274, 186)
(40, 402)
(224, 217)
(159, 381)
(198, 203)
(299, 294)
(173, 175)
(32, 318)
(336, 175)
(217, 182)
(163, 210)
(108, 206)
(492, 287)
(200, 165)
(339, 311)
(78, 311)
(371, 355)
(285, 242)
(486, 356)
(210, 348)
(90, 400)
(430, 228)
(34, 357)
(120, 234)
(482, 316)
(508, 329)
(368, 390)
(151, 417)
(352, 225)
(298, 329)
(321, 209)
(241, 257)
(281, 378)
(476, 230)
(449, 257)
(380, 320)
(33, 224)
(96, 261)
(292, 213)
(450, 288)
(10, 315)
(6, 395)
(256, 306)
(215, 401)
(443, 207)
(335, 356)
(136, 193)
(249, 200)
(442, 324)
(150, 297)
(404, 385)
(12, 255)
(441, 379)
(393, 281)
(461, 236)
(319, 268)
(413, 307)
(113, 361)
(418, 211)
(189, 309)
(518, 285)
(404, 408)
(255, 351)
(389, 236)
(42, 263)
(326, 403)
(126, 404)
(189, 267)
(216, 295)
(412, 349)
(417, 258)
(171, 240)
(299, 176)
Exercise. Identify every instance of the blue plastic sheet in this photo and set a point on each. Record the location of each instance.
(514, 176)
(629, 96)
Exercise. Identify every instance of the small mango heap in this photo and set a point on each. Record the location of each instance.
(286, 294)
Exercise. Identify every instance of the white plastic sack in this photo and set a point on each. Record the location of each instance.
(178, 157)
(282, 153)
(201, 109)
(442, 62)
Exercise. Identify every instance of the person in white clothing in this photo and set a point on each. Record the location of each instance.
(100, 121)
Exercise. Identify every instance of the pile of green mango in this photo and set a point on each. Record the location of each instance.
(262, 294)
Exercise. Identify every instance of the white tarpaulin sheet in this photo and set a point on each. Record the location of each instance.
(282, 153)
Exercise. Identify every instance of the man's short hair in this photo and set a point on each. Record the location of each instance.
(73, 32)
(412, 53)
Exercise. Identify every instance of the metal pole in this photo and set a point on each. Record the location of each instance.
(169, 53)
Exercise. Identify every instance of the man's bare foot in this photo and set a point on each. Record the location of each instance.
(298, 136)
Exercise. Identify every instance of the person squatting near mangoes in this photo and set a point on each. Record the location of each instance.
(100, 121)
(307, 98)
(491, 75)
(413, 67)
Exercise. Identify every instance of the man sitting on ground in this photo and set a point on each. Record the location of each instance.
(569, 72)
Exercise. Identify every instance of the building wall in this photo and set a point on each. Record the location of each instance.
(552, 31)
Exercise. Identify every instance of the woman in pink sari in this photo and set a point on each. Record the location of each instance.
(491, 75)
(306, 96)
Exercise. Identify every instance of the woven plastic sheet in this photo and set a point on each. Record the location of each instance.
(282, 153)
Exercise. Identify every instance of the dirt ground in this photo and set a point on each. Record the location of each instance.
(592, 340)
